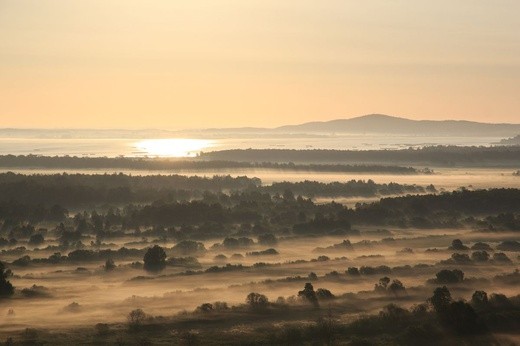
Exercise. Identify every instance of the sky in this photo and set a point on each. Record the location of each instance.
(176, 64)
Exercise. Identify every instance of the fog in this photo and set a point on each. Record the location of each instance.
(109, 296)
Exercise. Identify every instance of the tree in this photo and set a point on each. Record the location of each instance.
(480, 256)
(205, 308)
(353, 271)
(6, 288)
(396, 287)
(257, 301)
(327, 328)
(155, 259)
(309, 295)
(441, 299)
(382, 285)
(456, 244)
(136, 318)
(36, 239)
(479, 298)
(324, 294)
(447, 276)
(268, 239)
(109, 265)
(461, 317)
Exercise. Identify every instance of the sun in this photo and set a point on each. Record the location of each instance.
(173, 147)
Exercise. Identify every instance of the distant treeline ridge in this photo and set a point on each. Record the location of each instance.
(166, 164)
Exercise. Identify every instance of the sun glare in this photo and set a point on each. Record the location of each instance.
(177, 147)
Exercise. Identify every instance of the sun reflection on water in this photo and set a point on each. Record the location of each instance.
(173, 147)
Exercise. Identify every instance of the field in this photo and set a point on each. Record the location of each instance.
(155, 259)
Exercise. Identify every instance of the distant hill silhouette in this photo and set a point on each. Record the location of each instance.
(366, 124)
(385, 124)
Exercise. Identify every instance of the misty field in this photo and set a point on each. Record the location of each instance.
(120, 259)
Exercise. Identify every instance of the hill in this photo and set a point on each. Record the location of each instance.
(385, 124)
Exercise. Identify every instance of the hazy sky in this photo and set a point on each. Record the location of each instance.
(210, 63)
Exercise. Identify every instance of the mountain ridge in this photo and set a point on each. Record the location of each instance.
(365, 124)
(386, 124)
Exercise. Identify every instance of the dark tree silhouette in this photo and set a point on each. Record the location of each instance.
(309, 295)
(109, 265)
(397, 288)
(480, 256)
(461, 317)
(154, 259)
(257, 301)
(36, 239)
(456, 244)
(205, 308)
(268, 239)
(324, 294)
(441, 299)
(447, 276)
(6, 288)
(479, 298)
(382, 285)
(136, 318)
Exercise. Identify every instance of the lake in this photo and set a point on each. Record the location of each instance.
(190, 146)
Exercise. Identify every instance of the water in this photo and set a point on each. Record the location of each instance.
(188, 147)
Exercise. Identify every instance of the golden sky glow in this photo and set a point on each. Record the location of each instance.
(209, 63)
